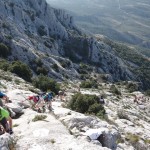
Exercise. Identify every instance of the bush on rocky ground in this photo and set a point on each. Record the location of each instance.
(87, 104)
(147, 92)
(132, 87)
(4, 50)
(39, 118)
(46, 84)
(21, 69)
(89, 84)
(115, 90)
(17, 67)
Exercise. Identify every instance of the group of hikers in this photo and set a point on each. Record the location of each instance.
(39, 102)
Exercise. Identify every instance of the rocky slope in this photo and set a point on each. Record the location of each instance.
(35, 31)
(125, 127)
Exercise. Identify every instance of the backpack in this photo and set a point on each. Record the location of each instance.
(48, 97)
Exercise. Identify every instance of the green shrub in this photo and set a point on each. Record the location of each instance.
(41, 31)
(122, 115)
(4, 50)
(39, 62)
(21, 69)
(15, 125)
(97, 109)
(45, 84)
(39, 117)
(114, 90)
(87, 104)
(65, 64)
(84, 69)
(17, 81)
(147, 141)
(89, 84)
(41, 70)
(52, 141)
(132, 138)
(55, 67)
(147, 92)
(132, 87)
(4, 65)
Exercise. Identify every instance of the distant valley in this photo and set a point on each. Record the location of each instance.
(120, 20)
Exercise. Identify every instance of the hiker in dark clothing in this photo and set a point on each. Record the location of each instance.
(4, 97)
(101, 100)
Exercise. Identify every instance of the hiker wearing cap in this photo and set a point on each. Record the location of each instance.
(5, 120)
(4, 97)
(61, 95)
(48, 99)
(6, 100)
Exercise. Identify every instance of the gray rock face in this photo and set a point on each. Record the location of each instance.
(34, 30)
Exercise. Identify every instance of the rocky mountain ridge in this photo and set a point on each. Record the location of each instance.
(34, 30)
(126, 125)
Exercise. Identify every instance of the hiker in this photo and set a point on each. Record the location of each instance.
(61, 94)
(101, 100)
(34, 100)
(41, 94)
(4, 97)
(5, 120)
(2, 104)
(136, 99)
(48, 99)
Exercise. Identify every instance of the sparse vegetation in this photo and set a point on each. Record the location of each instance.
(4, 65)
(65, 64)
(147, 141)
(89, 84)
(4, 50)
(142, 71)
(114, 90)
(41, 70)
(39, 118)
(41, 31)
(132, 138)
(17, 81)
(132, 87)
(15, 125)
(147, 92)
(55, 67)
(52, 141)
(84, 68)
(122, 114)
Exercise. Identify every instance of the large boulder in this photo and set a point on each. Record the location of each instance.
(106, 137)
(6, 142)
(20, 97)
(15, 108)
(90, 126)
